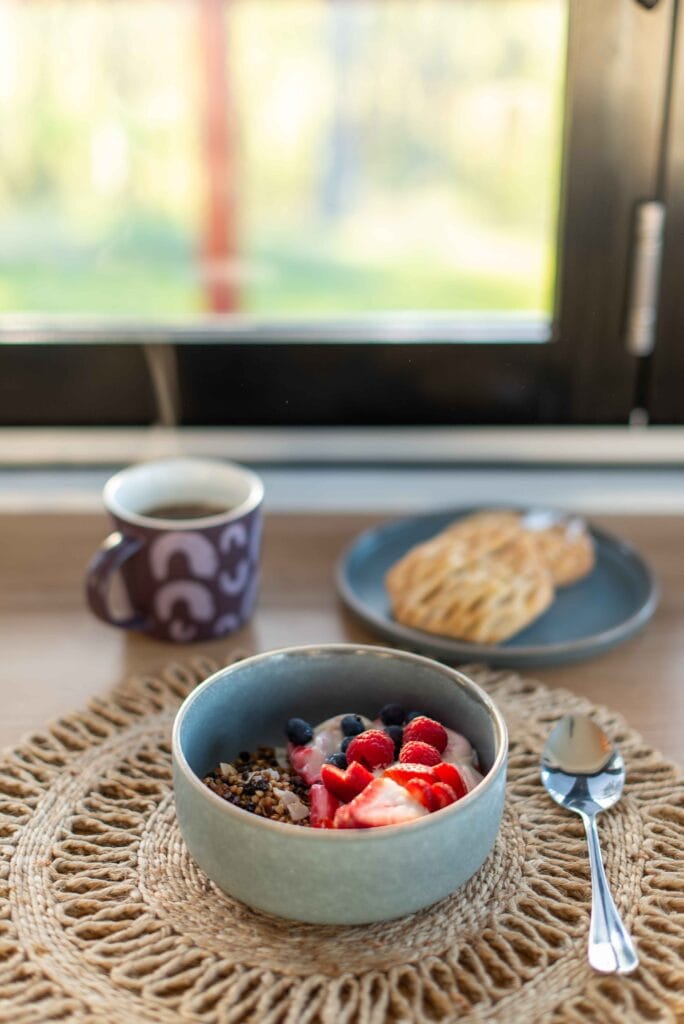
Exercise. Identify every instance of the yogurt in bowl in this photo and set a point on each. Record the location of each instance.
(351, 772)
(351, 874)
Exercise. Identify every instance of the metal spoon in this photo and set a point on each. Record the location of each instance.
(583, 771)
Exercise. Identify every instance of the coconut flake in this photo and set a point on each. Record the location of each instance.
(295, 807)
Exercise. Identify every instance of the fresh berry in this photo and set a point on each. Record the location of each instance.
(396, 734)
(443, 794)
(345, 743)
(471, 776)
(427, 731)
(421, 791)
(323, 806)
(392, 714)
(352, 725)
(403, 773)
(383, 802)
(339, 760)
(307, 762)
(347, 783)
(414, 714)
(373, 748)
(298, 732)
(450, 774)
(417, 752)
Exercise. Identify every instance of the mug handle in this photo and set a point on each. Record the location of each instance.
(107, 560)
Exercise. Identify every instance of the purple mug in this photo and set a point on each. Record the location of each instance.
(186, 545)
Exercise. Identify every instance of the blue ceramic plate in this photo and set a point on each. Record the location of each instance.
(604, 609)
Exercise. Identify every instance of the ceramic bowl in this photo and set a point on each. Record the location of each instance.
(328, 876)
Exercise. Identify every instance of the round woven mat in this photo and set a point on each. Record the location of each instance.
(104, 916)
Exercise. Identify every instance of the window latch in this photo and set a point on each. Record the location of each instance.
(642, 299)
(647, 3)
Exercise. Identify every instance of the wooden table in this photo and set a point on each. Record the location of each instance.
(54, 655)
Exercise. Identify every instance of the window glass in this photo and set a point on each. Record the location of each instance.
(280, 157)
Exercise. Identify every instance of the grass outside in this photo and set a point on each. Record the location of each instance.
(286, 285)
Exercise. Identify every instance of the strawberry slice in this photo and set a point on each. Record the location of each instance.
(443, 794)
(422, 791)
(345, 783)
(417, 752)
(307, 762)
(427, 731)
(383, 802)
(450, 774)
(403, 773)
(323, 806)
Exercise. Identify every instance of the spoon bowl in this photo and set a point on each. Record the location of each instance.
(584, 772)
(581, 769)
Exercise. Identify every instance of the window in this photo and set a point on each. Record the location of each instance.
(354, 211)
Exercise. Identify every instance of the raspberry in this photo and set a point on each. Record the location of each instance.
(418, 752)
(372, 748)
(427, 731)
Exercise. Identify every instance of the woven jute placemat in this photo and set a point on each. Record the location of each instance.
(104, 917)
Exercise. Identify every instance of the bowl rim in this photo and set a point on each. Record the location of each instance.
(335, 835)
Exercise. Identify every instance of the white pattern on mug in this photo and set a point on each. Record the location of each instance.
(235, 533)
(199, 553)
(196, 597)
(233, 583)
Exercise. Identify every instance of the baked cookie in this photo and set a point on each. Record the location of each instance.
(567, 548)
(461, 542)
(485, 599)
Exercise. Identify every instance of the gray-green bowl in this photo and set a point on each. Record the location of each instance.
(353, 876)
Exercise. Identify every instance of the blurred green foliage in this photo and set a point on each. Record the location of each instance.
(386, 155)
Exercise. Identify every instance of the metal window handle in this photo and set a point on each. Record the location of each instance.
(642, 304)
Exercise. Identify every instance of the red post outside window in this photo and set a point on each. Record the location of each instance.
(219, 241)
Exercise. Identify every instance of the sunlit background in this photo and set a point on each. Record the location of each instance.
(279, 157)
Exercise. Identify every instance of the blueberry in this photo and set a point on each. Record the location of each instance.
(345, 743)
(339, 760)
(352, 725)
(396, 734)
(298, 732)
(414, 714)
(392, 714)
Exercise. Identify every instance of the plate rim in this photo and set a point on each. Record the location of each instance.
(593, 642)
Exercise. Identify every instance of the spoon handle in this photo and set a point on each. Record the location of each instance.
(611, 950)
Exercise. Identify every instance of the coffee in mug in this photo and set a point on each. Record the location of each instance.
(186, 545)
